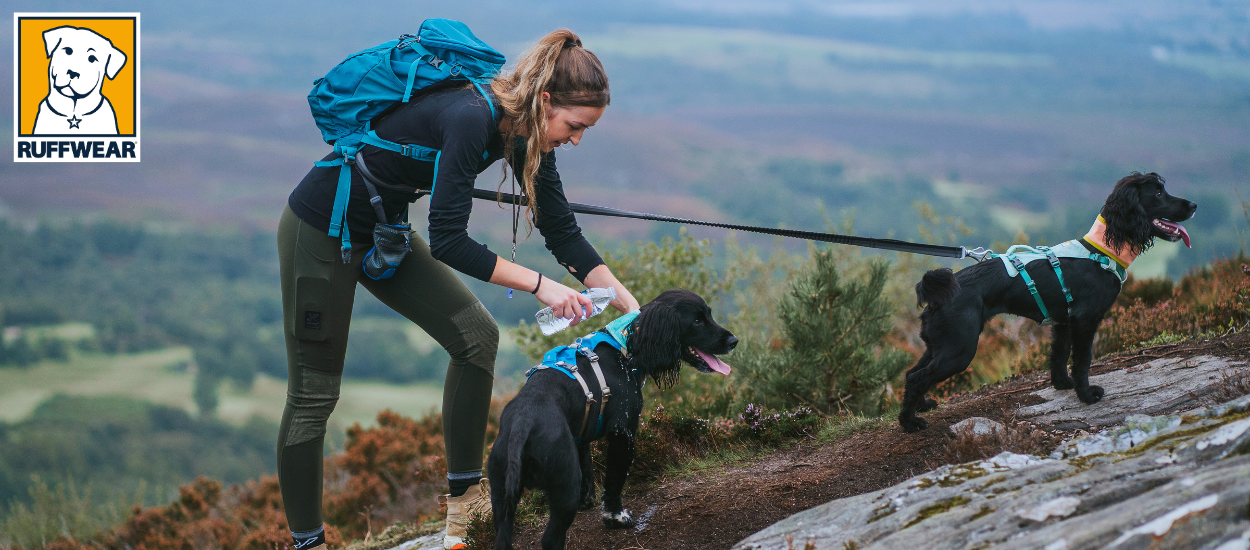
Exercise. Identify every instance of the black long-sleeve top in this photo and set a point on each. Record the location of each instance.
(457, 122)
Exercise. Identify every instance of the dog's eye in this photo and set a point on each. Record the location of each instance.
(1159, 194)
(698, 323)
(91, 58)
(68, 51)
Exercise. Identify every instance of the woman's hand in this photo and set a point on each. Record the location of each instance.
(565, 302)
(602, 277)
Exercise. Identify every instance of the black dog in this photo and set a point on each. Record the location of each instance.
(535, 448)
(1138, 210)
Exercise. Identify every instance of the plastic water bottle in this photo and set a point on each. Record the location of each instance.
(551, 324)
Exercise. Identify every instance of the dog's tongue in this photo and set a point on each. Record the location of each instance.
(1177, 227)
(711, 360)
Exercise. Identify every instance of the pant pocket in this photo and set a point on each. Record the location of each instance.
(312, 309)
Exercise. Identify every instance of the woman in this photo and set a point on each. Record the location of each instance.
(557, 90)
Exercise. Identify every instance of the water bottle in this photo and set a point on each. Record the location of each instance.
(551, 324)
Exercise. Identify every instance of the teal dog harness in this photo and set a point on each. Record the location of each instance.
(1021, 255)
(564, 360)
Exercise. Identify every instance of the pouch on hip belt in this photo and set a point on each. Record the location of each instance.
(390, 245)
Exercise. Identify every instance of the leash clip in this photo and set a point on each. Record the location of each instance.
(978, 253)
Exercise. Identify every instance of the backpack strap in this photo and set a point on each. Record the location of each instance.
(374, 198)
(338, 216)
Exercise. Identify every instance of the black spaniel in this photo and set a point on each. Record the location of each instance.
(1138, 210)
(541, 442)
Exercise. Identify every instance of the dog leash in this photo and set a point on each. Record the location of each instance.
(957, 252)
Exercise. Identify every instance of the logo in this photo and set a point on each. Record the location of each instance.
(76, 87)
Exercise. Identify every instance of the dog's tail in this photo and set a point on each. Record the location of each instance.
(512, 481)
(937, 288)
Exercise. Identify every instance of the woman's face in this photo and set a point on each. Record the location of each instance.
(566, 124)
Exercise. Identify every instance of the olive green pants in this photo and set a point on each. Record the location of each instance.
(317, 294)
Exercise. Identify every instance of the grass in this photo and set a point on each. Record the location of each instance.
(839, 428)
(161, 377)
(715, 461)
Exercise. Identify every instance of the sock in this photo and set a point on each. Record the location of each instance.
(309, 539)
(460, 482)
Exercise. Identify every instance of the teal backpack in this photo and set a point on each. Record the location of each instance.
(373, 80)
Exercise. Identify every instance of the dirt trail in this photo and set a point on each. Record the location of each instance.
(716, 510)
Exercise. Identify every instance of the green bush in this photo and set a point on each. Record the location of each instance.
(831, 356)
(62, 513)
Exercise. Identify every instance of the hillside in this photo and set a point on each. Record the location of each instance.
(756, 503)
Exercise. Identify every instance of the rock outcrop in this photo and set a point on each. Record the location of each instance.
(1162, 386)
(1161, 481)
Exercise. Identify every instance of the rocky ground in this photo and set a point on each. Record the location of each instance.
(1168, 469)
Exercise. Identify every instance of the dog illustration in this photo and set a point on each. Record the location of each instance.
(959, 304)
(544, 438)
(79, 60)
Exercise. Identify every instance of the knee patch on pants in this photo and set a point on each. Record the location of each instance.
(479, 336)
(310, 401)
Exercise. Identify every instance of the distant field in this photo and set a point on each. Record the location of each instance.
(160, 377)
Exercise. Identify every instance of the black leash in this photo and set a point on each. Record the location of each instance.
(957, 252)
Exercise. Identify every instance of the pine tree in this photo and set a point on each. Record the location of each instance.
(831, 357)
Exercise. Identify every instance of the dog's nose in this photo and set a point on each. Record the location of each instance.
(72, 74)
(732, 341)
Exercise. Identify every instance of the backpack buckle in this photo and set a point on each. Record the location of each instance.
(436, 62)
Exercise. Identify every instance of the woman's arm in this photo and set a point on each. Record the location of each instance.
(565, 302)
(602, 277)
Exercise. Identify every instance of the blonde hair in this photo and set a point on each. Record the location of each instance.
(560, 66)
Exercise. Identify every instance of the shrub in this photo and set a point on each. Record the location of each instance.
(1208, 299)
(832, 358)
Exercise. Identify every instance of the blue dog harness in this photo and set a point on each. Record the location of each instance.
(1021, 255)
(564, 360)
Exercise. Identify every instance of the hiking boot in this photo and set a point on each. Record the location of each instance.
(474, 502)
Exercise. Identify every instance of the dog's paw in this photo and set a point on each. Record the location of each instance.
(928, 405)
(587, 502)
(913, 424)
(1065, 383)
(618, 520)
(1091, 395)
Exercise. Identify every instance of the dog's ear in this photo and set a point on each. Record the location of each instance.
(655, 343)
(115, 62)
(53, 37)
(1128, 226)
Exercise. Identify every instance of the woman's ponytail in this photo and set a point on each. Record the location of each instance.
(560, 66)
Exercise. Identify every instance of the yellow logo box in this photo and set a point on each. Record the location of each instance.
(76, 87)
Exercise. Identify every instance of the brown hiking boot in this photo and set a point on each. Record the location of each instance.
(474, 502)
